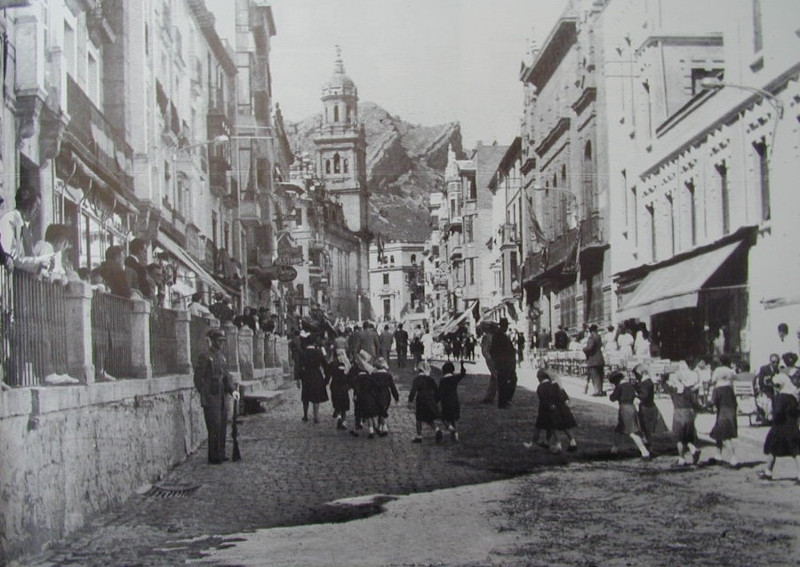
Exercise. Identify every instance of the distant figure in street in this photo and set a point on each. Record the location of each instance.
(448, 397)
(610, 340)
(401, 345)
(725, 428)
(368, 340)
(385, 389)
(425, 392)
(312, 376)
(520, 347)
(625, 343)
(764, 389)
(213, 381)
(554, 414)
(504, 357)
(595, 364)
(365, 394)
(427, 345)
(561, 339)
(627, 420)
(385, 341)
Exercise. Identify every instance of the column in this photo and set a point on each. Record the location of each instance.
(140, 336)
(183, 356)
(79, 339)
(231, 349)
(245, 352)
(258, 350)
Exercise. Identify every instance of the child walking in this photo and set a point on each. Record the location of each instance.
(627, 421)
(385, 389)
(554, 415)
(683, 429)
(448, 397)
(650, 419)
(425, 392)
(783, 438)
(340, 395)
(725, 428)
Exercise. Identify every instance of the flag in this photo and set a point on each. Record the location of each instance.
(536, 228)
(571, 263)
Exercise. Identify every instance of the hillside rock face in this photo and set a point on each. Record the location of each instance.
(405, 163)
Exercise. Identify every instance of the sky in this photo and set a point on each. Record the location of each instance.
(427, 61)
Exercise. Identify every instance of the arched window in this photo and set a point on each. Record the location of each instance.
(336, 164)
(391, 259)
(327, 166)
(413, 258)
(336, 113)
(345, 166)
(589, 186)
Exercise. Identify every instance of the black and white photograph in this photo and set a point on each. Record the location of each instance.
(394, 283)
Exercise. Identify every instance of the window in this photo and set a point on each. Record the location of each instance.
(722, 171)
(692, 211)
(93, 80)
(413, 259)
(69, 49)
(471, 274)
(345, 166)
(699, 74)
(336, 113)
(763, 177)
(385, 279)
(391, 260)
(651, 214)
(298, 216)
(214, 223)
(387, 309)
(336, 163)
(327, 166)
(469, 233)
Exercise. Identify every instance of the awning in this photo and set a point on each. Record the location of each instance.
(676, 286)
(454, 323)
(174, 248)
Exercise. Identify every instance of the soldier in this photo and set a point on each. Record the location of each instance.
(213, 381)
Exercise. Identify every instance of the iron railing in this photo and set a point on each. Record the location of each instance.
(34, 328)
(111, 336)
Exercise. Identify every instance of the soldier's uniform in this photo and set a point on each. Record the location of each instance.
(213, 381)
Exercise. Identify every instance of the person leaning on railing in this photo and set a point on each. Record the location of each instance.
(15, 234)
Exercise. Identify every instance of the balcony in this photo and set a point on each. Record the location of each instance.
(95, 135)
(592, 231)
(218, 168)
(455, 223)
(217, 123)
(250, 209)
(315, 271)
(509, 236)
(316, 244)
(457, 251)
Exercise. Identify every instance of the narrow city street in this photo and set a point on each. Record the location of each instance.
(294, 497)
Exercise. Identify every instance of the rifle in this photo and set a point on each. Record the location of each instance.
(237, 456)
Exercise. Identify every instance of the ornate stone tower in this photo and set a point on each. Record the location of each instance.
(342, 148)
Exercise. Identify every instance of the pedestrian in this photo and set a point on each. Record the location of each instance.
(368, 340)
(764, 389)
(197, 308)
(417, 350)
(627, 420)
(561, 339)
(680, 388)
(625, 343)
(595, 364)
(650, 419)
(783, 438)
(213, 381)
(383, 383)
(424, 392)
(503, 355)
(136, 268)
(641, 344)
(427, 345)
(367, 406)
(520, 347)
(339, 383)
(486, 352)
(385, 341)
(725, 428)
(448, 397)
(340, 350)
(112, 271)
(312, 376)
(401, 345)
(554, 414)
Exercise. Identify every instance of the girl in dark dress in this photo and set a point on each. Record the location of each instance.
(385, 390)
(425, 391)
(783, 438)
(448, 397)
(367, 405)
(650, 419)
(723, 398)
(313, 366)
(683, 416)
(340, 395)
(627, 422)
(554, 415)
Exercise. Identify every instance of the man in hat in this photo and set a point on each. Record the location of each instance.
(594, 361)
(213, 381)
(504, 356)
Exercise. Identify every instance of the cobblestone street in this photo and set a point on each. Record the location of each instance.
(293, 473)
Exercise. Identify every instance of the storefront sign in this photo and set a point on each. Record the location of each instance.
(286, 274)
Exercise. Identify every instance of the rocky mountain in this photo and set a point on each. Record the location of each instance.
(405, 163)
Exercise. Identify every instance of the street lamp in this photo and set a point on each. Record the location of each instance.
(714, 84)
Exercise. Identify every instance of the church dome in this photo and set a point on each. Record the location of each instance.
(339, 83)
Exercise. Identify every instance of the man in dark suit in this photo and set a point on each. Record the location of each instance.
(595, 363)
(136, 268)
(401, 344)
(213, 381)
(504, 357)
(561, 339)
(764, 389)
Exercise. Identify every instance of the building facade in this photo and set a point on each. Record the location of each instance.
(397, 281)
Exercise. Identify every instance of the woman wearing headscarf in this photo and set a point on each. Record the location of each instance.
(650, 419)
(385, 390)
(783, 438)
(725, 428)
(367, 406)
(340, 390)
(679, 386)
(312, 376)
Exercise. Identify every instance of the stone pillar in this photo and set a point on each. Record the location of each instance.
(245, 352)
(269, 351)
(282, 354)
(140, 336)
(232, 348)
(79, 337)
(183, 356)
(258, 350)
